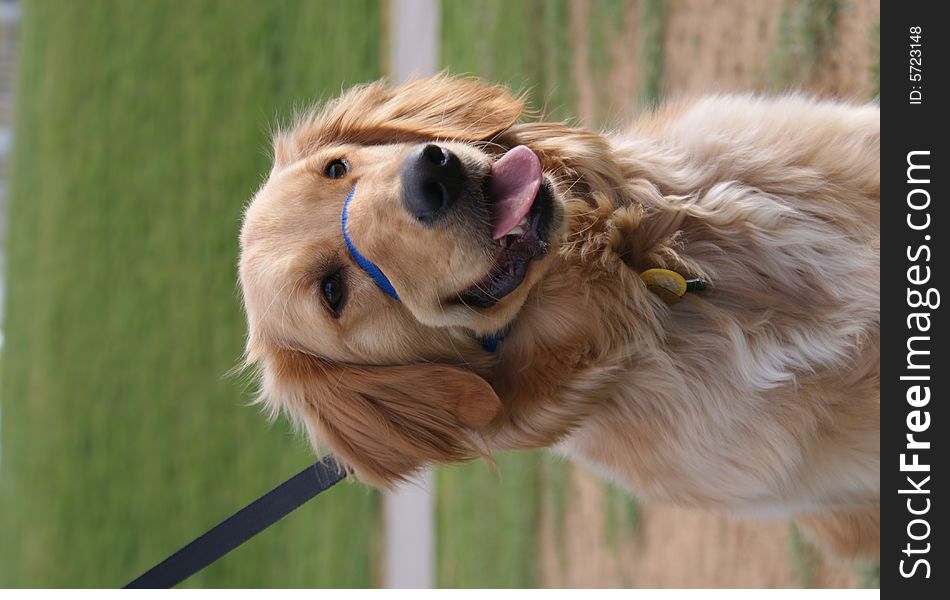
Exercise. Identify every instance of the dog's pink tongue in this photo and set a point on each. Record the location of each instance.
(515, 179)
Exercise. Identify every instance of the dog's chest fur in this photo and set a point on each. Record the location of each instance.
(758, 395)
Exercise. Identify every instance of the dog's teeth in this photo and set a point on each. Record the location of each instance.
(520, 228)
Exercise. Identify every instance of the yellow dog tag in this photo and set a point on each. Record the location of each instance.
(670, 285)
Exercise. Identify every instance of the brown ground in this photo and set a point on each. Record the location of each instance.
(676, 547)
(710, 45)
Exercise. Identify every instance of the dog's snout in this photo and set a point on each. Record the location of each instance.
(432, 181)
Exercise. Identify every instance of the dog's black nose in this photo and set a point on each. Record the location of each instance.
(432, 180)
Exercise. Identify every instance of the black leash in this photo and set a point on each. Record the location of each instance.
(242, 525)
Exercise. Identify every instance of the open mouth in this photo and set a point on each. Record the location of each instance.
(520, 203)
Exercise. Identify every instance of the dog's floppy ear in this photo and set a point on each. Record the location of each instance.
(385, 422)
(462, 109)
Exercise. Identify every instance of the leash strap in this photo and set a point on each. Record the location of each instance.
(242, 525)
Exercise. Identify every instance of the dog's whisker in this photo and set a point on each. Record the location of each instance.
(276, 297)
(287, 300)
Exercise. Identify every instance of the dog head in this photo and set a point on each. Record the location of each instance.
(397, 230)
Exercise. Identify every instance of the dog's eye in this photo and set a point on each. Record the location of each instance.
(337, 168)
(334, 292)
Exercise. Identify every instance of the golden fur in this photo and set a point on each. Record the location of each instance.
(757, 396)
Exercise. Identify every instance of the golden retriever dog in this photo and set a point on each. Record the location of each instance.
(427, 280)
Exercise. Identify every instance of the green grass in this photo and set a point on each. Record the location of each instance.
(141, 131)
(556, 479)
(605, 26)
(487, 523)
(869, 575)
(804, 557)
(806, 33)
(522, 43)
(622, 515)
(653, 18)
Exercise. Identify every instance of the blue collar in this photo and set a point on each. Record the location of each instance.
(366, 264)
(490, 344)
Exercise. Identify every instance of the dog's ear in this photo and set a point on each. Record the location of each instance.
(385, 422)
(443, 107)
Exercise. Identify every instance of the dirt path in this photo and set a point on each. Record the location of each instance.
(710, 45)
(409, 509)
(676, 547)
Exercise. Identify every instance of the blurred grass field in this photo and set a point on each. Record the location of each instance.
(141, 132)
